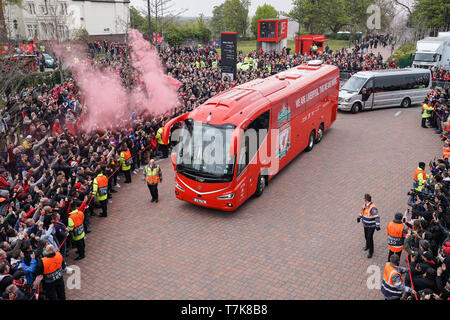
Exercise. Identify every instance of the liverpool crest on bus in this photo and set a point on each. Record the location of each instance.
(284, 127)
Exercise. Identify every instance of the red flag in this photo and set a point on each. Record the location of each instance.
(3, 49)
(173, 82)
(26, 48)
(160, 38)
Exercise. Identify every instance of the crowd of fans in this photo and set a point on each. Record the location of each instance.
(47, 169)
(428, 239)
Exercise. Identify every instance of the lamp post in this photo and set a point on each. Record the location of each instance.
(300, 5)
(150, 34)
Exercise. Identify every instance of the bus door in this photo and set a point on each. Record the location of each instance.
(250, 160)
(368, 95)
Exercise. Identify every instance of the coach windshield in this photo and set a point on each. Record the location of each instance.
(204, 152)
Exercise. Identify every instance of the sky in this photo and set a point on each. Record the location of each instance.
(195, 7)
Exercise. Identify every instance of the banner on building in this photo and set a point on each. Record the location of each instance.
(26, 48)
(229, 55)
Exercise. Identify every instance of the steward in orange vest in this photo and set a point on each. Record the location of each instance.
(393, 286)
(76, 226)
(371, 222)
(446, 151)
(420, 177)
(125, 162)
(396, 233)
(51, 267)
(446, 130)
(100, 189)
(153, 175)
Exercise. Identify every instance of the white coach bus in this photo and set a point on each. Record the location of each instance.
(369, 90)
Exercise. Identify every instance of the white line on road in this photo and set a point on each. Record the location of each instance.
(398, 113)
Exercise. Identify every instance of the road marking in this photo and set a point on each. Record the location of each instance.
(398, 113)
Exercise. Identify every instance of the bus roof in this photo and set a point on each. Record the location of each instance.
(241, 103)
(391, 72)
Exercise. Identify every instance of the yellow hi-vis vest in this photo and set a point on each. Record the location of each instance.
(159, 134)
(152, 175)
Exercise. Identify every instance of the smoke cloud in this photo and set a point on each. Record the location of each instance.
(108, 102)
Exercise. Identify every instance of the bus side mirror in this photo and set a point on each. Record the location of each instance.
(169, 125)
(235, 141)
(233, 145)
(173, 157)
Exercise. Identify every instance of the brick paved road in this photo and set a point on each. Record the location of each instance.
(300, 240)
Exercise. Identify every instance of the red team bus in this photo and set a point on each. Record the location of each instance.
(255, 129)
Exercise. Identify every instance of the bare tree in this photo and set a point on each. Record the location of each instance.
(163, 12)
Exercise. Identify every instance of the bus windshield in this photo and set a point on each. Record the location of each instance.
(354, 84)
(204, 152)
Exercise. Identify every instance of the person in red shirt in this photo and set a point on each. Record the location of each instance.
(4, 184)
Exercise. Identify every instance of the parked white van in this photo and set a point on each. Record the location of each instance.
(369, 90)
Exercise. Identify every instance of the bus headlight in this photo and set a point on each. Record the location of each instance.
(179, 187)
(226, 197)
(347, 100)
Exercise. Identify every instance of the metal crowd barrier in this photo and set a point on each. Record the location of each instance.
(441, 84)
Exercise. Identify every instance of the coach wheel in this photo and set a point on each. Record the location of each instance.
(319, 134)
(312, 137)
(406, 103)
(356, 108)
(261, 185)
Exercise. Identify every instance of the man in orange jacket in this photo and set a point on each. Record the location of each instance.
(51, 268)
(396, 233)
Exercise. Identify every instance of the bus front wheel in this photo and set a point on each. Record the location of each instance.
(261, 185)
(312, 138)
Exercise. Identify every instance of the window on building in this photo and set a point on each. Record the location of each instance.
(35, 30)
(31, 8)
(44, 29)
(66, 32)
(51, 30)
(63, 9)
(52, 10)
(61, 30)
(30, 31)
(44, 10)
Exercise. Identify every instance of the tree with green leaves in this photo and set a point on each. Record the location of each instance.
(217, 21)
(320, 16)
(236, 16)
(81, 35)
(265, 11)
(432, 14)
(138, 21)
(231, 16)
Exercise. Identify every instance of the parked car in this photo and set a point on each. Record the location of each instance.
(49, 61)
